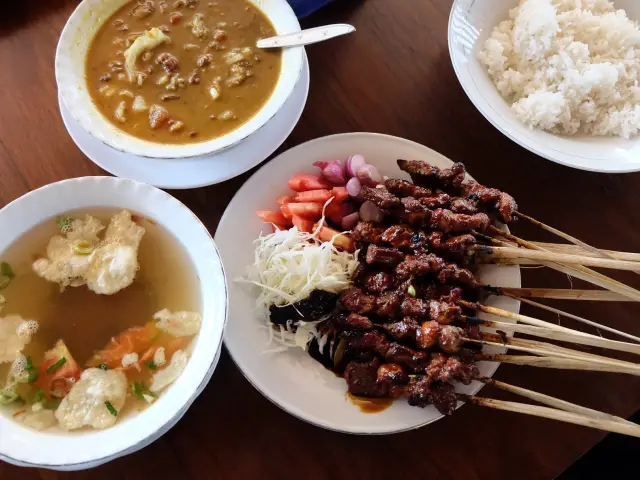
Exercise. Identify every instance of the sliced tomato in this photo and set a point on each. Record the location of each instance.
(284, 199)
(341, 194)
(314, 196)
(132, 340)
(170, 347)
(284, 209)
(303, 224)
(301, 182)
(277, 218)
(312, 211)
(340, 240)
(59, 379)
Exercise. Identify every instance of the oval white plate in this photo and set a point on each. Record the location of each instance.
(84, 449)
(470, 24)
(199, 171)
(293, 380)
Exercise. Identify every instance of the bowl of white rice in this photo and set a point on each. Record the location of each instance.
(559, 77)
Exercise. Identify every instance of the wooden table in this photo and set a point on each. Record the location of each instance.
(393, 76)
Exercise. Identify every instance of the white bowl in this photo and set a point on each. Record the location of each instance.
(71, 451)
(470, 24)
(293, 380)
(70, 75)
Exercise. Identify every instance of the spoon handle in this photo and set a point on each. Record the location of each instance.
(306, 37)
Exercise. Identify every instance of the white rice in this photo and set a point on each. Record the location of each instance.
(568, 66)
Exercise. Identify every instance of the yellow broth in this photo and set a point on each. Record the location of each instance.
(181, 84)
(84, 320)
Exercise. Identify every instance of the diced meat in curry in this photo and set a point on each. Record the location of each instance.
(182, 71)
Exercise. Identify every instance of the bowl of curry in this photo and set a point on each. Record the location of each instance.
(175, 78)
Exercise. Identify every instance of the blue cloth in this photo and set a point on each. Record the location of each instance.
(306, 7)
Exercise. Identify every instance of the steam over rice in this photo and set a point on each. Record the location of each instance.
(568, 66)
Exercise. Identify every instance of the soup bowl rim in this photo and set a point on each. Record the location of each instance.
(58, 450)
(73, 89)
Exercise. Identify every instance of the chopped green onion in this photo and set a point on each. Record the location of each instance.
(8, 395)
(57, 365)
(39, 396)
(139, 391)
(102, 366)
(64, 224)
(151, 365)
(83, 247)
(52, 404)
(32, 371)
(112, 410)
(411, 291)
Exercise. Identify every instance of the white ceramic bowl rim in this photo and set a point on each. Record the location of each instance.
(23, 446)
(470, 24)
(70, 59)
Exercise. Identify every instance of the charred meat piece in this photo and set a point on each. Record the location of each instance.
(404, 330)
(381, 197)
(352, 321)
(418, 265)
(427, 335)
(383, 256)
(448, 222)
(439, 200)
(362, 379)
(393, 379)
(455, 370)
(419, 391)
(356, 301)
(452, 273)
(506, 207)
(415, 307)
(414, 212)
(372, 341)
(168, 62)
(317, 305)
(414, 360)
(366, 232)
(463, 205)
(400, 236)
(444, 313)
(449, 294)
(504, 203)
(436, 364)
(457, 245)
(443, 397)
(388, 304)
(402, 188)
(450, 338)
(430, 176)
(377, 283)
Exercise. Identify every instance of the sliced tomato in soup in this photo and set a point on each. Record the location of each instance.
(132, 340)
(58, 372)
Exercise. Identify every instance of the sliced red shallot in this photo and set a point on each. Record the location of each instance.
(353, 187)
(332, 171)
(350, 221)
(368, 175)
(370, 213)
(353, 163)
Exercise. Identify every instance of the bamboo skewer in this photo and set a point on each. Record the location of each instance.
(567, 237)
(577, 271)
(635, 370)
(580, 319)
(564, 337)
(555, 402)
(553, 362)
(563, 294)
(553, 414)
(545, 256)
(577, 250)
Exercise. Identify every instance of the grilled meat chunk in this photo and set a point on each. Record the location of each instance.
(378, 282)
(439, 200)
(402, 188)
(366, 232)
(356, 301)
(400, 236)
(431, 176)
(427, 335)
(463, 205)
(448, 222)
(362, 379)
(403, 330)
(414, 360)
(393, 379)
(352, 321)
(383, 256)
(381, 197)
(452, 273)
(388, 304)
(450, 338)
(417, 265)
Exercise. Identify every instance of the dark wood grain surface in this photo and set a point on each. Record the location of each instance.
(393, 76)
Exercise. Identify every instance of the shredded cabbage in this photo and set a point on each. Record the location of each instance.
(288, 265)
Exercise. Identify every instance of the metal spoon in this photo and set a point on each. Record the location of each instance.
(306, 37)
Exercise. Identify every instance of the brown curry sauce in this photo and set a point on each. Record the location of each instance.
(212, 44)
